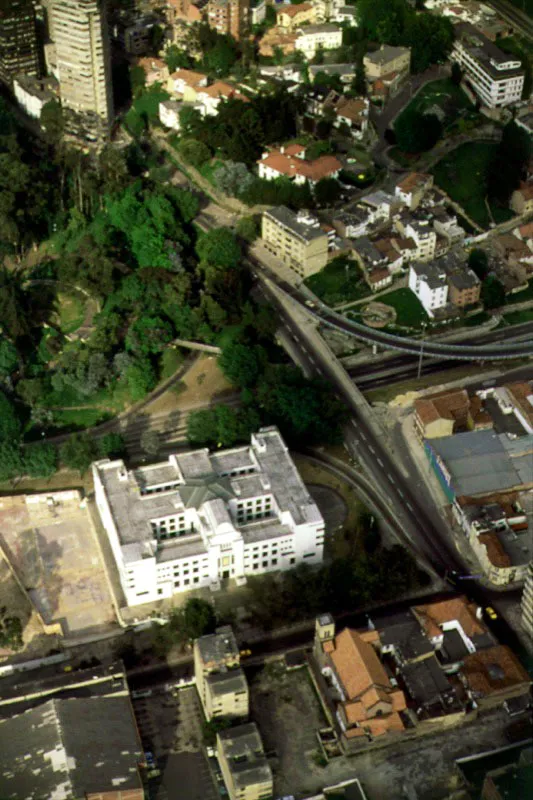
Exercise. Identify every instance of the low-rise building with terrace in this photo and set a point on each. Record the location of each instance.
(246, 771)
(220, 681)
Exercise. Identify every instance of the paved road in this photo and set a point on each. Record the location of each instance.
(325, 315)
(372, 448)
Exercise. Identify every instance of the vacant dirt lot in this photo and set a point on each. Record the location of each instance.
(288, 714)
(203, 383)
(50, 542)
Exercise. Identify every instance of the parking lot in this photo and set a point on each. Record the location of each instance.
(50, 542)
(170, 725)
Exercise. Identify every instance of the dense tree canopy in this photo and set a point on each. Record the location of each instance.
(509, 165)
(416, 132)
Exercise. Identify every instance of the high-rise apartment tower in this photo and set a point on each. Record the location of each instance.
(79, 29)
(18, 40)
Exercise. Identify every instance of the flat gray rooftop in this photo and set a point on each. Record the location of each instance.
(218, 646)
(243, 749)
(234, 680)
(480, 462)
(198, 479)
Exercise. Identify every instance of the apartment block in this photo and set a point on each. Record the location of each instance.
(296, 239)
(430, 285)
(496, 77)
(18, 40)
(202, 518)
(220, 681)
(83, 68)
(242, 759)
(228, 16)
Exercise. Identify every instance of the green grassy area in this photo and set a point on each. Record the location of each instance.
(171, 360)
(521, 297)
(70, 311)
(517, 317)
(462, 174)
(339, 282)
(476, 319)
(449, 97)
(145, 109)
(208, 170)
(409, 309)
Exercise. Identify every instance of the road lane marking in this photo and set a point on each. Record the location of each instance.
(380, 462)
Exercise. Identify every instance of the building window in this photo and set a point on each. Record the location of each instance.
(292, 561)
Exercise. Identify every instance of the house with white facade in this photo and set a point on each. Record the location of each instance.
(210, 97)
(186, 83)
(201, 518)
(430, 285)
(311, 37)
(34, 93)
(412, 188)
(289, 161)
(496, 77)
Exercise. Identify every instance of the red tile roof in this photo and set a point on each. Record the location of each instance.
(433, 615)
(322, 167)
(494, 669)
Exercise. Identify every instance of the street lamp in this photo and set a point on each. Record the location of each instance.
(424, 324)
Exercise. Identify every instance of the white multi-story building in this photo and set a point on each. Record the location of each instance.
(83, 67)
(496, 77)
(312, 37)
(430, 285)
(200, 518)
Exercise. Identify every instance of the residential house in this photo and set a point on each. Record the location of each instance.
(186, 83)
(382, 203)
(430, 285)
(353, 112)
(346, 72)
(289, 161)
(346, 15)
(385, 70)
(522, 198)
(445, 413)
(421, 232)
(250, 513)
(525, 234)
(496, 77)
(246, 771)
(368, 255)
(296, 239)
(378, 278)
(314, 37)
(412, 188)
(515, 252)
(446, 226)
(155, 70)
(289, 17)
(169, 114)
(494, 675)
(220, 681)
(210, 97)
(367, 704)
(386, 60)
(319, 98)
(386, 246)
(464, 288)
(445, 620)
(354, 222)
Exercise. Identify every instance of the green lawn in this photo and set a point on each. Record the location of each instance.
(208, 170)
(462, 174)
(409, 309)
(517, 317)
(341, 281)
(171, 360)
(448, 97)
(70, 311)
(521, 297)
